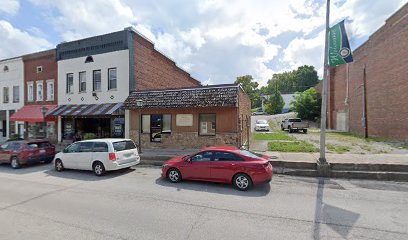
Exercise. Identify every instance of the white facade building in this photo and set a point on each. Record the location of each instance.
(11, 95)
(93, 82)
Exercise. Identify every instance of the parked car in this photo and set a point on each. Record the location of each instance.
(258, 113)
(20, 152)
(222, 164)
(98, 155)
(294, 125)
(261, 125)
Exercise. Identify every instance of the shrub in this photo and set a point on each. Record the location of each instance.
(307, 104)
(88, 136)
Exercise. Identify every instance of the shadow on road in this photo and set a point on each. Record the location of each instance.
(87, 175)
(218, 188)
(338, 219)
(26, 169)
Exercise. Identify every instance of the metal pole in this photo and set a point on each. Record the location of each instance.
(365, 103)
(140, 129)
(326, 76)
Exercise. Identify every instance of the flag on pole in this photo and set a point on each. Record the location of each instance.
(339, 47)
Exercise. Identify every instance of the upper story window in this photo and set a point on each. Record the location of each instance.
(16, 94)
(30, 91)
(50, 90)
(39, 69)
(82, 82)
(97, 80)
(112, 78)
(40, 91)
(89, 59)
(70, 83)
(5, 95)
(5, 68)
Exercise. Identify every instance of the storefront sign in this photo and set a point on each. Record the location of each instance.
(184, 120)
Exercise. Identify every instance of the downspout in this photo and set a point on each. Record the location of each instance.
(346, 100)
(364, 119)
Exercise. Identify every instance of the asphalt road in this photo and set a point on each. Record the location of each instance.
(39, 203)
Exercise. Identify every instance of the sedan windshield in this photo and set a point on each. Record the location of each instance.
(262, 122)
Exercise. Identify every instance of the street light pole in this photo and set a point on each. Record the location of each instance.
(322, 162)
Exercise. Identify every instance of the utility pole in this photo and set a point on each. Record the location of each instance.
(323, 167)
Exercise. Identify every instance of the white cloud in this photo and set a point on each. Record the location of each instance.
(9, 7)
(15, 42)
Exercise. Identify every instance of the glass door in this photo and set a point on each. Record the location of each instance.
(156, 123)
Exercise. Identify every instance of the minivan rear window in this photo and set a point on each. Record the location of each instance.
(123, 145)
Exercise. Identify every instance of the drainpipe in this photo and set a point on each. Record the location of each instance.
(364, 119)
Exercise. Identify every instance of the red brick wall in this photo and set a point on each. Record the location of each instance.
(47, 60)
(153, 70)
(385, 57)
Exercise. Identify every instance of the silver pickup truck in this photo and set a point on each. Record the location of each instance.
(294, 125)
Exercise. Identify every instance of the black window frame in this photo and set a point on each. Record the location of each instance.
(80, 82)
(109, 79)
(199, 124)
(93, 80)
(68, 88)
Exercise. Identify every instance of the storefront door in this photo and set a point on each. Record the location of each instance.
(156, 122)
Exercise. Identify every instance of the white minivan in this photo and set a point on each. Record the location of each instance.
(98, 155)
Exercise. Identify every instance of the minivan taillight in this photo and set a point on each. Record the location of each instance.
(112, 156)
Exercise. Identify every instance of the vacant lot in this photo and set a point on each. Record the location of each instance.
(336, 142)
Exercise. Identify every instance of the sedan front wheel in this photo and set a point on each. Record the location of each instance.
(174, 175)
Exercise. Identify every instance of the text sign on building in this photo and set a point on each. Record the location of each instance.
(184, 120)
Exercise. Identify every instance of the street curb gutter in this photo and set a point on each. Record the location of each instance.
(384, 172)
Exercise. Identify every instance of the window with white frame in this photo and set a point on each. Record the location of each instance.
(40, 91)
(112, 78)
(82, 82)
(70, 83)
(5, 94)
(50, 90)
(97, 81)
(207, 124)
(30, 91)
(16, 94)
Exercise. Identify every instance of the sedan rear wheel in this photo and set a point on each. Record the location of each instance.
(15, 163)
(242, 181)
(174, 175)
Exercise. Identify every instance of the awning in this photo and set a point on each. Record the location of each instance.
(87, 110)
(31, 113)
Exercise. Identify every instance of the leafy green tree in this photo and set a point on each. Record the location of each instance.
(307, 104)
(275, 103)
(297, 80)
(251, 88)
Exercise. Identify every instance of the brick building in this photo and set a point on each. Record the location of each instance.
(96, 75)
(371, 94)
(40, 83)
(190, 117)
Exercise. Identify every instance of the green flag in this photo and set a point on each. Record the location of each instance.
(339, 47)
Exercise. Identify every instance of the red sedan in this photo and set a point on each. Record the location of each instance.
(223, 164)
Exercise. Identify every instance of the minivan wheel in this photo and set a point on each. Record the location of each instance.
(99, 169)
(14, 163)
(242, 181)
(174, 175)
(58, 165)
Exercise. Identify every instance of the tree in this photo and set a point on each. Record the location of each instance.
(297, 80)
(275, 103)
(307, 104)
(251, 89)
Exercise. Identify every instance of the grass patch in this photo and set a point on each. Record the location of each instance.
(272, 136)
(297, 146)
(315, 141)
(366, 147)
(338, 148)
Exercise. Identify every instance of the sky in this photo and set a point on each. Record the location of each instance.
(214, 40)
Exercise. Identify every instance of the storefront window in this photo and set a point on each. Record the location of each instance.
(145, 123)
(166, 123)
(207, 124)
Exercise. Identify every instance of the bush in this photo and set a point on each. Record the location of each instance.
(14, 137)
(307, 104)
(275, 103)
(88, 136)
